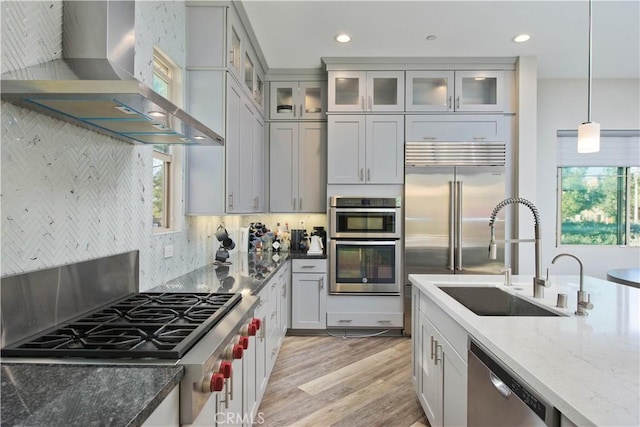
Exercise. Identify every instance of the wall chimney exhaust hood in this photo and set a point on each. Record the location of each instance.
(94, 86)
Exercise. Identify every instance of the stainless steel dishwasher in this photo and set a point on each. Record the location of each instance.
(498, 397)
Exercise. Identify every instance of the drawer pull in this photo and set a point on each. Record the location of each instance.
(307, 266)
(384, 321)
(345, 321)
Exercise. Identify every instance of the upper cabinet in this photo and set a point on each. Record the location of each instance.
(455, 91)
(298, 100)
(242, 62)
(366, 91)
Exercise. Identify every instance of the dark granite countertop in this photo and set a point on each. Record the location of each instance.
(244, 272)
(122, 395)
(83, 395)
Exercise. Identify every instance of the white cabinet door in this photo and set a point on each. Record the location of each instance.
(454, 388)
(454, 128)
(384, 149)
(385, 91)
(366, 91)
(283, 171)
(245, 199)
(430, 382)
(416, 336)
(298, 176)
(298, 100)
(346, 149)
(232, 145)
(258, 169)
(429, 91)
(309, 301)
(479, 91)
(312, 167)
(347, 91)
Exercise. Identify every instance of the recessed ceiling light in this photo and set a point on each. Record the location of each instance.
(521, 38)
(431, 37)
(156, 114)
(342, 38)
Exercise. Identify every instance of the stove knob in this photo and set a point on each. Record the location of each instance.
(213, 382)
(249, 329)
(225, 369)
(234, 352)
(244, 342)
(257, 322)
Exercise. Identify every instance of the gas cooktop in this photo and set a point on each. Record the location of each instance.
(142, 325)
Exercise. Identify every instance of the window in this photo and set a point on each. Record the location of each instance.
(166, 158)
(598, 195)
(599, 206)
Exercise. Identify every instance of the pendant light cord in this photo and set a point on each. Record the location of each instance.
(589, 70)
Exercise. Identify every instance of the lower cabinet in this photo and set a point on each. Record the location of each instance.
(309, 294)
(442, 375)
(167, 413)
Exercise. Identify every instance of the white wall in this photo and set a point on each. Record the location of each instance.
(562, 104)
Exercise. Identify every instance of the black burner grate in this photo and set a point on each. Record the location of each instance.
(139, 326)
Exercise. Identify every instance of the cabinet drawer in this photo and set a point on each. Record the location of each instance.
(421, 128)
(309, 266)
(449, 328)
(374, 320)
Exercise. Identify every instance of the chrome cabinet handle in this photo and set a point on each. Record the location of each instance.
(449, 103)
(307, 266)
(362, 102)
(300, 204)
(231, 201)
(255, 203)
(457, 102)
(345, 321)
(429, 138)
(360, 174)
(438, 346)
(479, 138)
(300, 110)
(433, 343)
(293, 203)
(368, 175)
(386, 322)
(293, 108)
(322, 283)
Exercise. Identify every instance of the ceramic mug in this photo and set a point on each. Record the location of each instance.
(221, 233)
(222, 255)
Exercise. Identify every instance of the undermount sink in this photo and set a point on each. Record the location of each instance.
(487, 301)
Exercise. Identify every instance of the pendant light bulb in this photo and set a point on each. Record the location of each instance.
(589, 132)
(589, 137)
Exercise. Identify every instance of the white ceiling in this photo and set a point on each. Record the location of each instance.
(297, 33)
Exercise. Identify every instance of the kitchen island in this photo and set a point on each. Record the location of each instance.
(586, 367)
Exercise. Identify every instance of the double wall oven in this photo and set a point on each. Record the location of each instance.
(365, 245)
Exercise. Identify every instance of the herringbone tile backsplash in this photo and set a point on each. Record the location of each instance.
(70, 194)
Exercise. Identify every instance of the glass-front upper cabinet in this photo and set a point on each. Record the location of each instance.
(248, 72)
(235, 51)
(366, 91)
(297, 100)
(429, 91)
(258, 92)
(451, 91)
(479, 90)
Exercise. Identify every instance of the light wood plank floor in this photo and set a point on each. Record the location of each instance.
(330, 381)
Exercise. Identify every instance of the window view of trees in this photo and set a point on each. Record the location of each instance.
(599, 206)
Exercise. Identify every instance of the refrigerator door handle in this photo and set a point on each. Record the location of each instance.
(452, 216)
(458, 225)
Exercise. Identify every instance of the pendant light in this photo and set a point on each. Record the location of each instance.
(589, 132)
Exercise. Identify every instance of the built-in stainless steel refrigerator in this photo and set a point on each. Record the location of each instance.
(451, 189)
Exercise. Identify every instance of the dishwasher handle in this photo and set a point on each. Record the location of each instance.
(500, 386)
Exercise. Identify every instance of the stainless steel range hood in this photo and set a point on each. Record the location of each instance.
(94, 86)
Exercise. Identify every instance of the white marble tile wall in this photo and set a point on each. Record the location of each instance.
(69, 194)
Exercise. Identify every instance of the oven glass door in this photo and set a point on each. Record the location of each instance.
(364, 223)
(370, 267)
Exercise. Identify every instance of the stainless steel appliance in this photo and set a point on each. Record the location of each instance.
(204, 332)
(450, 190)
(365, 246)
(496, 396)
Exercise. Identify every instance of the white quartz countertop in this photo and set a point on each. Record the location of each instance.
(587, 367)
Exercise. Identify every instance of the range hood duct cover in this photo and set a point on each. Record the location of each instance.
(94, 84)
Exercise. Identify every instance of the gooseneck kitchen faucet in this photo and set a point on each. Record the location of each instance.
(584, 299)
(538, 282)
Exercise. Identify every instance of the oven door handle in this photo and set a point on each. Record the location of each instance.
(452, 231)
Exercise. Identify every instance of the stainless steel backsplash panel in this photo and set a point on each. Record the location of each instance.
(35, 301)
